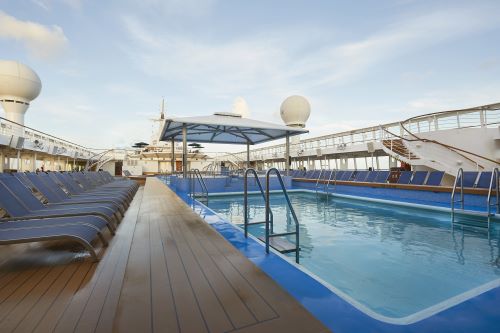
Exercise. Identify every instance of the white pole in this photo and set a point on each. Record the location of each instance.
(172, 159)
(18, 166)
(33, 162)
(248, 154)
(287, 154)
(184, 151)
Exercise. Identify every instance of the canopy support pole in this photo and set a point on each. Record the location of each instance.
(287, 154)
(184, 151)
(248, 155)
(19, 166)
(172, 159)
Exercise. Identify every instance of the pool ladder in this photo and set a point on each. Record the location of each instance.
(196, 174)
(270, 238)
(494, 186)
(459, 177)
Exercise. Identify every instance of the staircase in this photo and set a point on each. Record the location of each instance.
(399, 150)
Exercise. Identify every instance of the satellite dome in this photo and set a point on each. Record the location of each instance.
(19, 85)
(295, 110)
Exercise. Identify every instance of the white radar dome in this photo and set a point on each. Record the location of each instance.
(295, 110)
(19, 85)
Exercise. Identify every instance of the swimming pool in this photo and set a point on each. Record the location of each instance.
(396, 264)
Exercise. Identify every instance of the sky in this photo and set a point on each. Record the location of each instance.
(106, 65)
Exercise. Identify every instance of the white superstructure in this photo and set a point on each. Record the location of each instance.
(19, 85)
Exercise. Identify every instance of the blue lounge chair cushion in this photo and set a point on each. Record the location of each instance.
(405, 177)
(435, 178)
(419, 177)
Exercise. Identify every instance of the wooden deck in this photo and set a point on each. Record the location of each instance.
(166, 270)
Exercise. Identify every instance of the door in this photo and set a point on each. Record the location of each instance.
(118, 168)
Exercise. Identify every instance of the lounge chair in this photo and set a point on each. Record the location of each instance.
(405, 177)
(469, 178)
(361, 176)
(75, 189)
(382, 176)
(36, 230)
(484, 180)
(435, 178)
(18, 201)
(370, 178)
(419, 177)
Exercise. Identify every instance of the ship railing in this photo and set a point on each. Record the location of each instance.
(43, 142)
(486, 116)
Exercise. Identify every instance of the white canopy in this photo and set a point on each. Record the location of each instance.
(225, 128)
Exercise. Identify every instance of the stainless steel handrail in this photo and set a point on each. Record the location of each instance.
(318, 179)
(196, 173)
(460, 173)
(494, 180)
(245, 200)
(292, 211)
(327, 185)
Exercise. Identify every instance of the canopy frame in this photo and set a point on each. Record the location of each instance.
(225, 128)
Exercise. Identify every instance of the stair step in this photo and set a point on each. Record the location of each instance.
(473, 219)
(280, 244)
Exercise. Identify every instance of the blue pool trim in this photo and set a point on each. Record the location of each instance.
(477, 314)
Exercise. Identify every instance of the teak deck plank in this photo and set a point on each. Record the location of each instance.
(188, 314)
(234, 307)
(163, 313)
(35, 304)
(165, 270)
(44, 320)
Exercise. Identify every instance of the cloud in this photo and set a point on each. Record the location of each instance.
(281, 61)
(173, 9)
(215, 68)
(46, 4)
(41, 41)
(240, 106)
(342, 63)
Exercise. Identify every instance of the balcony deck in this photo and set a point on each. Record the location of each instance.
(166, 270)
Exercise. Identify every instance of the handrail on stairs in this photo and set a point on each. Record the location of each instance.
(245, 200)
(318, 179)
(334, 171)
(195, 173)
(494, 185)
(460, 176)
(269, 234)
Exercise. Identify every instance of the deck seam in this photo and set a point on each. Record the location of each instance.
(19, 286)
(207, 279)
(27, 293)
(54, 300)
(43, 294)
(242, 276)
(69, 299)
(169, 276)
(190, 284)
(123, 248)
(101, 271)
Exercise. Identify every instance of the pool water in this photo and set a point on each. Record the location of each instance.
(389, 261)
